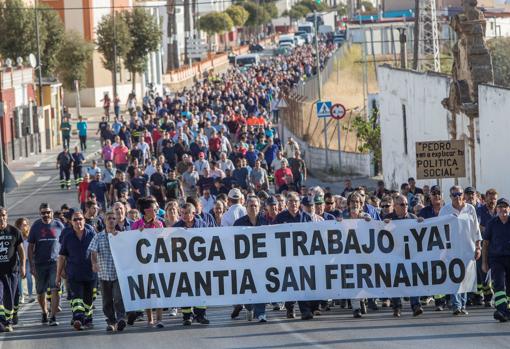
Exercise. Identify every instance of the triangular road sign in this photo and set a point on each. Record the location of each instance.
(9, 181)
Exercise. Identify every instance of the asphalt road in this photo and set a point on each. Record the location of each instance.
(334, 329)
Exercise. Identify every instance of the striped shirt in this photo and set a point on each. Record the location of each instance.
(101, 245)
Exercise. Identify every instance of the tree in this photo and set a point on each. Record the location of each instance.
(52, 28)
(146, 37)
(500, 52)
(112, 33)
(312, 5)
(257, 14)
(342, 10)
(17, 30)
(271, 9)
(238, 15)
(216, 23)
(369, 7)
(73, 58)
(298, 11)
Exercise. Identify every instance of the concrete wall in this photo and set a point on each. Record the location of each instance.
(426, 119)
(494, 169)
(315, 158)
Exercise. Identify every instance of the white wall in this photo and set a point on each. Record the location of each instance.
(494, 169)
(421, 94)
(73, 19)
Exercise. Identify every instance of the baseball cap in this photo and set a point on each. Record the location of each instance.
(271, 201)
(470, 190)
(435, 189)
(318, 199)
(502, 202)
(235, 194)
(306, 201)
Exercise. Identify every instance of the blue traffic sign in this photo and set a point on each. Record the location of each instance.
(324, 109)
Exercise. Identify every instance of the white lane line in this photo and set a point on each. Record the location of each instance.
(19, 202)
(43, 179)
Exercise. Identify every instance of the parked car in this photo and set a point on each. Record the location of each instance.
(256, 48)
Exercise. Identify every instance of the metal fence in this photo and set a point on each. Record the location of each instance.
(309, 88)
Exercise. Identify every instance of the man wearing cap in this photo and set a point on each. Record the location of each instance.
(309, 207)
(271, 209)
(485, 213)
(320, 208)
(471, 197)
(294, 215)
(436, 202)
(496, 256)
(236, 209)
(456, 207)
(43, 251)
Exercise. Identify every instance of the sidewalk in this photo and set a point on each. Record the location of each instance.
(24, 169)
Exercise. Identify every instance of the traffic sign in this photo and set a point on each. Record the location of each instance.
(324, 109)
(337, 111)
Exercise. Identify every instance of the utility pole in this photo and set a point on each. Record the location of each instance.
(403, 47)
(319, 84)
(416, 38)
(114, 54)
(39, 67)
(2, 177)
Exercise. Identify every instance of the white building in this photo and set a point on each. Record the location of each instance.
(411, 111)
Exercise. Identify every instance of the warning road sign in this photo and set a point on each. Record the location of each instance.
(337, 111)
(324, 109)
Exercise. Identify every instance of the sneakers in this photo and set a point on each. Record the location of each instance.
(262, 318)
(440, 307)
(386, 303)
(44, 318)
(417, 310)
(396, 312)
(357, 313)
(317, 312)
(53, 321)
(249, 315)
(290, 314)
(160, 324)
(173, 312)
(77, 325)
(186, 322)
(307, 316)
(110, 328)
(277, 307)
(15, 319)
(121, 325)
(8, 328)
(500, 316)
(202, 320)
(457, 312)
(464, 312)
(131, 318)
(236, 311)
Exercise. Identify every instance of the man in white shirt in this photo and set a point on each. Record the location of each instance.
(236, 209)
(290, 148)
(207, 200)
(201, 164)
(456, 207)
(277, 162)
(146, 150)
(225, 163)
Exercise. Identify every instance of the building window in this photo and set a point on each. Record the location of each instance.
(404, 120)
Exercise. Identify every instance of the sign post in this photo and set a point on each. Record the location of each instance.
(338, 112)
(440, 159)
(324, 111)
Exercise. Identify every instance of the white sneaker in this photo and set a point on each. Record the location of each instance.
(173, 311)
(262, 318)
(249, 315)
(22, 300)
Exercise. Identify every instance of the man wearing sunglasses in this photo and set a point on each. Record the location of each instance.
(456, 207)
(43, 251)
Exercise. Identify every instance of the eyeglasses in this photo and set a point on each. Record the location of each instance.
(329, 203)
(457, 194)
(44, 213)
(386, 206)
(77, 219)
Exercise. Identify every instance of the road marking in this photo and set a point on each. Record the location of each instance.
(16, 204)
(43, 179)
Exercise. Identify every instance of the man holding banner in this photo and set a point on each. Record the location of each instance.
(253, 218)
(456, 207)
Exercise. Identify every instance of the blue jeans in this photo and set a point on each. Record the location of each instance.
(30, 282)
(459, 301)
(258, 309)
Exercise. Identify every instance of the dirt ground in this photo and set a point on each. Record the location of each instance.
(345, 86)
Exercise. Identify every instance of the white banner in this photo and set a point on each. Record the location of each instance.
(175, 267)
